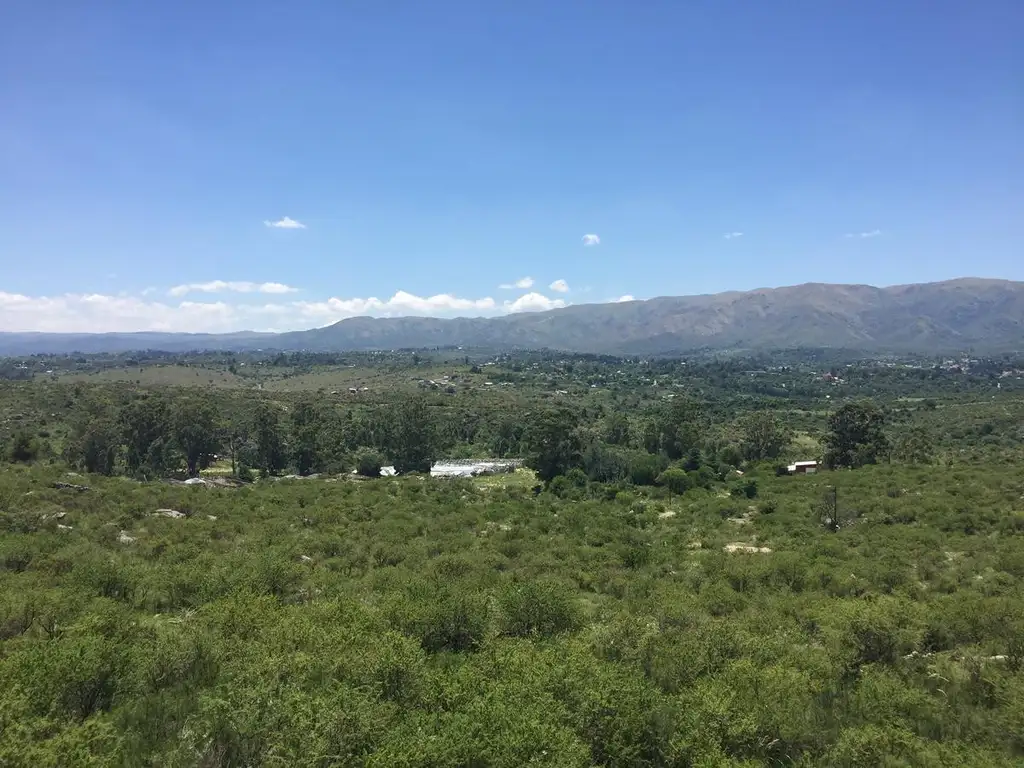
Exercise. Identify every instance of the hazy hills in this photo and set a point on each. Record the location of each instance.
(987, 315)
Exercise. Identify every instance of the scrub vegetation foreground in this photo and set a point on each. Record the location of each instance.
(651, 589)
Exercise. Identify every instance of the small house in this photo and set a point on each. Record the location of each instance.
(802, 468)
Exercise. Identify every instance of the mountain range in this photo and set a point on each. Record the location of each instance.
(981, 314)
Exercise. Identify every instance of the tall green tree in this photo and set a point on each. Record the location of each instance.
(236, 433)
(763, 436)
(94, 441)
(147, 432)
(553, 445)
(676, 428)
(604, 464)
(194, 424)
(305, 445)
(96, 448)
(506, 435)
(333, 441)
(267, 435)
(856, 435)
(411, 436)
(616, 429)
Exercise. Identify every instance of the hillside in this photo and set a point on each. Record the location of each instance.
(930, 317)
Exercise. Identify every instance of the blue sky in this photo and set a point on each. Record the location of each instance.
(433, 152)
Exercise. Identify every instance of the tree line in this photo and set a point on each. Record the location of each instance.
(678, 443)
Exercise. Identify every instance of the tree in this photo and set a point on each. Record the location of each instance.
(96, 449)
(236, 437)
(410, 436)
(23, 448)
(195, 433)
(616, 429)
(694, 460)
(763, 436)
(505, 436)
(146, 430)
(305, 432)
(333, 442)
(553, 446)
(675, 429)
(827, 509)
(603, 464)
(676, 480)
(270, 452)
(856, 437)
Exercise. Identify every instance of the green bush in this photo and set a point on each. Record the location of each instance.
(644, 468)
(368, 463)
(676, 480)
(23, 448)
(537, 609)
(746, 489)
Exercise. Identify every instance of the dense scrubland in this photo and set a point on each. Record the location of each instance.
(650, 591)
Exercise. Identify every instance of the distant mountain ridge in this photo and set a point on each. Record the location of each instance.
(984, 314)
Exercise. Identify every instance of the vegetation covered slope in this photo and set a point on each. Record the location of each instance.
(954, 315)
(651, 590)
(447, 623)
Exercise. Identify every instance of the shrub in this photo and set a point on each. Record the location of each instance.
(644, 468)
(24, 448)
(676, 480)
(537, 609)
(746, 489)
(368, 463)
(445, 620)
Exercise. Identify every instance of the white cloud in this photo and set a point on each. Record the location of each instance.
(232, 286)
(533, 302)
(732, 235)
(872, 233)
(285, 223)
(99, 313)
(522, 282)
(559, 286)
(591, 240)
(627, 297)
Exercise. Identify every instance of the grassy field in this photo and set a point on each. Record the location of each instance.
(160, 376)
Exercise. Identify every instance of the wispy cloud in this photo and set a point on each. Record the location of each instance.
(872, 233)
(591, 240)
(523, 283)
(627, 297)
(732, 235)
(285, 223)
(230, 286)
(559, 286)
